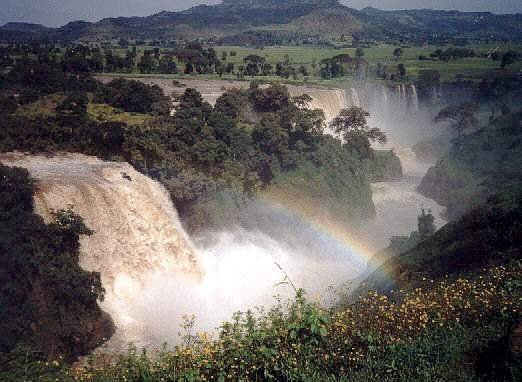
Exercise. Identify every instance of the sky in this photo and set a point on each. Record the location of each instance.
(55, 13)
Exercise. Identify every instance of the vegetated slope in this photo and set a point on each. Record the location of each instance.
(425, 23)
(489, 235)
(484, 162)
(49, 304)
(324, 18)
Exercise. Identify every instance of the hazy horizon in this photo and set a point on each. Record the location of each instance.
(54, 13)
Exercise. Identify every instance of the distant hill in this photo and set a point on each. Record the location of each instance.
(275, 21)
(25, 27)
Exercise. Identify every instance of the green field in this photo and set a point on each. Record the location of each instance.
(311, 56)
(305, 55)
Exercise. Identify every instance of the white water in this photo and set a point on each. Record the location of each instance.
(153, 273)
(398, 204)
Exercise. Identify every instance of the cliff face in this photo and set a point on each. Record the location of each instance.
(385, 167)
(60, 331)
(453, 185)
(485, 162)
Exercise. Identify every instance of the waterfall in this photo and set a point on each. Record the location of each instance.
(355, 97)
(385, 98)
(136, 224)
(331, 101)
(404, 99)
(414, 98)
(138, 232)
(401, 98)
(152, 273)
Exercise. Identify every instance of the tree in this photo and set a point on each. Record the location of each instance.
(510, 57)
(254, 64)
(352, 125)
(306, 123)
(73, 109)
(147, 63)
(330, 68)
(402, 71)
(427, 82)
(397, 53)
(359, 52)
(426, 225)
(460, 117)
(272, 99)
(230, 103)
(167, 65)
(269, 136)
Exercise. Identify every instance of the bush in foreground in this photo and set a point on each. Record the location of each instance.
(446, 330)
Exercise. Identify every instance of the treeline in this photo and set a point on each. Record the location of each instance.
(342, 65)
(191, 58)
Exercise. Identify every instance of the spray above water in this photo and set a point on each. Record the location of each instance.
(152, 272)
(155, 275)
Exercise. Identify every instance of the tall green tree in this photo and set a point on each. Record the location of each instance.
(397, 53)
(460, 117)
(352, 126)
(510, 57)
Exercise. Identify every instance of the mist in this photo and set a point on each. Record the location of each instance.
(243, 265)
(241, 270)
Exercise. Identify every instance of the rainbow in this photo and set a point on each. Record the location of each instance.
(309, 214)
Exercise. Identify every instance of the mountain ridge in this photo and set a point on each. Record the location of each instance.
(233, 18)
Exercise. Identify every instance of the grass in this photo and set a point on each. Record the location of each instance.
(45, 107)
(307, 55)
(104, 112)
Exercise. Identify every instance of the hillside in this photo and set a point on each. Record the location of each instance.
(455, 250)
(488, 160)
(274, 22)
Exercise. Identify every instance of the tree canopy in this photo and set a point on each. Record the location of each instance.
(352, 126)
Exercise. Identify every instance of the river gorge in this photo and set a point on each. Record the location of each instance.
(156, 275)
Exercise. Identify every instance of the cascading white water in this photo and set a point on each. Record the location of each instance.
(414, 98)
(355, 97)
(398, 204)
(137, 227)
(154, 275)
(404, 99)
(138, 232)
(385, 102)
